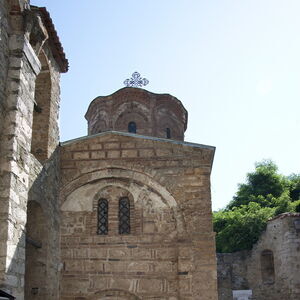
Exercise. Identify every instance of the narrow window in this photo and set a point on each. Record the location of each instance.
(102, 217)
(267, 267)
(132, 127)
(168, 133)
(124, 216)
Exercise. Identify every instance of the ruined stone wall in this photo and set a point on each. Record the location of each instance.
(252, 270)
(170, 252)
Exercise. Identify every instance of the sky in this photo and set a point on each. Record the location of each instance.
(234, 64)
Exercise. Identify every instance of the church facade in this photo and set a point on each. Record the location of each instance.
(122, 213)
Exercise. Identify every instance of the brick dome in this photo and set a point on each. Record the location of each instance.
(138, 111)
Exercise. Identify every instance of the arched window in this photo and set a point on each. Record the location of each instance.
(102, 216)
(267, 267)
(132, 127)
(168, 133)
(124, 216)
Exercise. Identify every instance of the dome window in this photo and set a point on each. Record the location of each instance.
(132, 127)
(168, 133)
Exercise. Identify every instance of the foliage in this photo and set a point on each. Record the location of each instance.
(262, 186)
(239, 228)
(265, 194)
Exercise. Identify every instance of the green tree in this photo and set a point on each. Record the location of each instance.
(240, 228)
(262, 186)
(294, 186)
(265, 194)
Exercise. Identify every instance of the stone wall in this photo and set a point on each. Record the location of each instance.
(21, 65)
(271, 269)
(170, 252)
(3, 75)
(42, 237)
(4, 53)
(15, 148)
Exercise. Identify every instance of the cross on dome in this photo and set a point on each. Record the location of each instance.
(136, 80)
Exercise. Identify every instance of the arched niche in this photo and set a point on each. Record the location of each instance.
(148, 196)
(36, 252)
(99, 124)
(133, 112)
(267, 267)
(166, 118)
(73, 193)
(41, 112)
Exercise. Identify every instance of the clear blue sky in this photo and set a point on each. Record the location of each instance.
(234, 64)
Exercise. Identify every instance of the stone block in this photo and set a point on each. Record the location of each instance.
(98, 154)
(113, 154)
(129, 153)
(81, 155)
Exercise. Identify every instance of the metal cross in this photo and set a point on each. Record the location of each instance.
(136, 80)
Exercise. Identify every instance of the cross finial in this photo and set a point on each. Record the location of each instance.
(136, 80)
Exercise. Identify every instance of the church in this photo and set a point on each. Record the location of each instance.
(122, 213)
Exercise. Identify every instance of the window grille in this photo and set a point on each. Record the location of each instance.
(102, 217)
(124, 216)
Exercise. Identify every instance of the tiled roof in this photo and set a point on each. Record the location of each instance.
(285, 215)
(55, 44)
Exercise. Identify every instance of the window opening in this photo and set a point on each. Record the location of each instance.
(267, 267)
(102, 217)
(124, 216)
(168, 133)
(132, 127)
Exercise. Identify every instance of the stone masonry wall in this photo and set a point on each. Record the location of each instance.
(245, 270)
(16, 116)
(44, 190)
(170, 253)
(14, 160)
(4, 53)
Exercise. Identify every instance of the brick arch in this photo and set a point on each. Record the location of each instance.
(40, 139)
(167, 117)
(132, 111)
(120, 173)
(101, 123)
(114, 294)
(69, 198)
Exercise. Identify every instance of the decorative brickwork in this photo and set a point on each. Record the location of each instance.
(152, 113)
